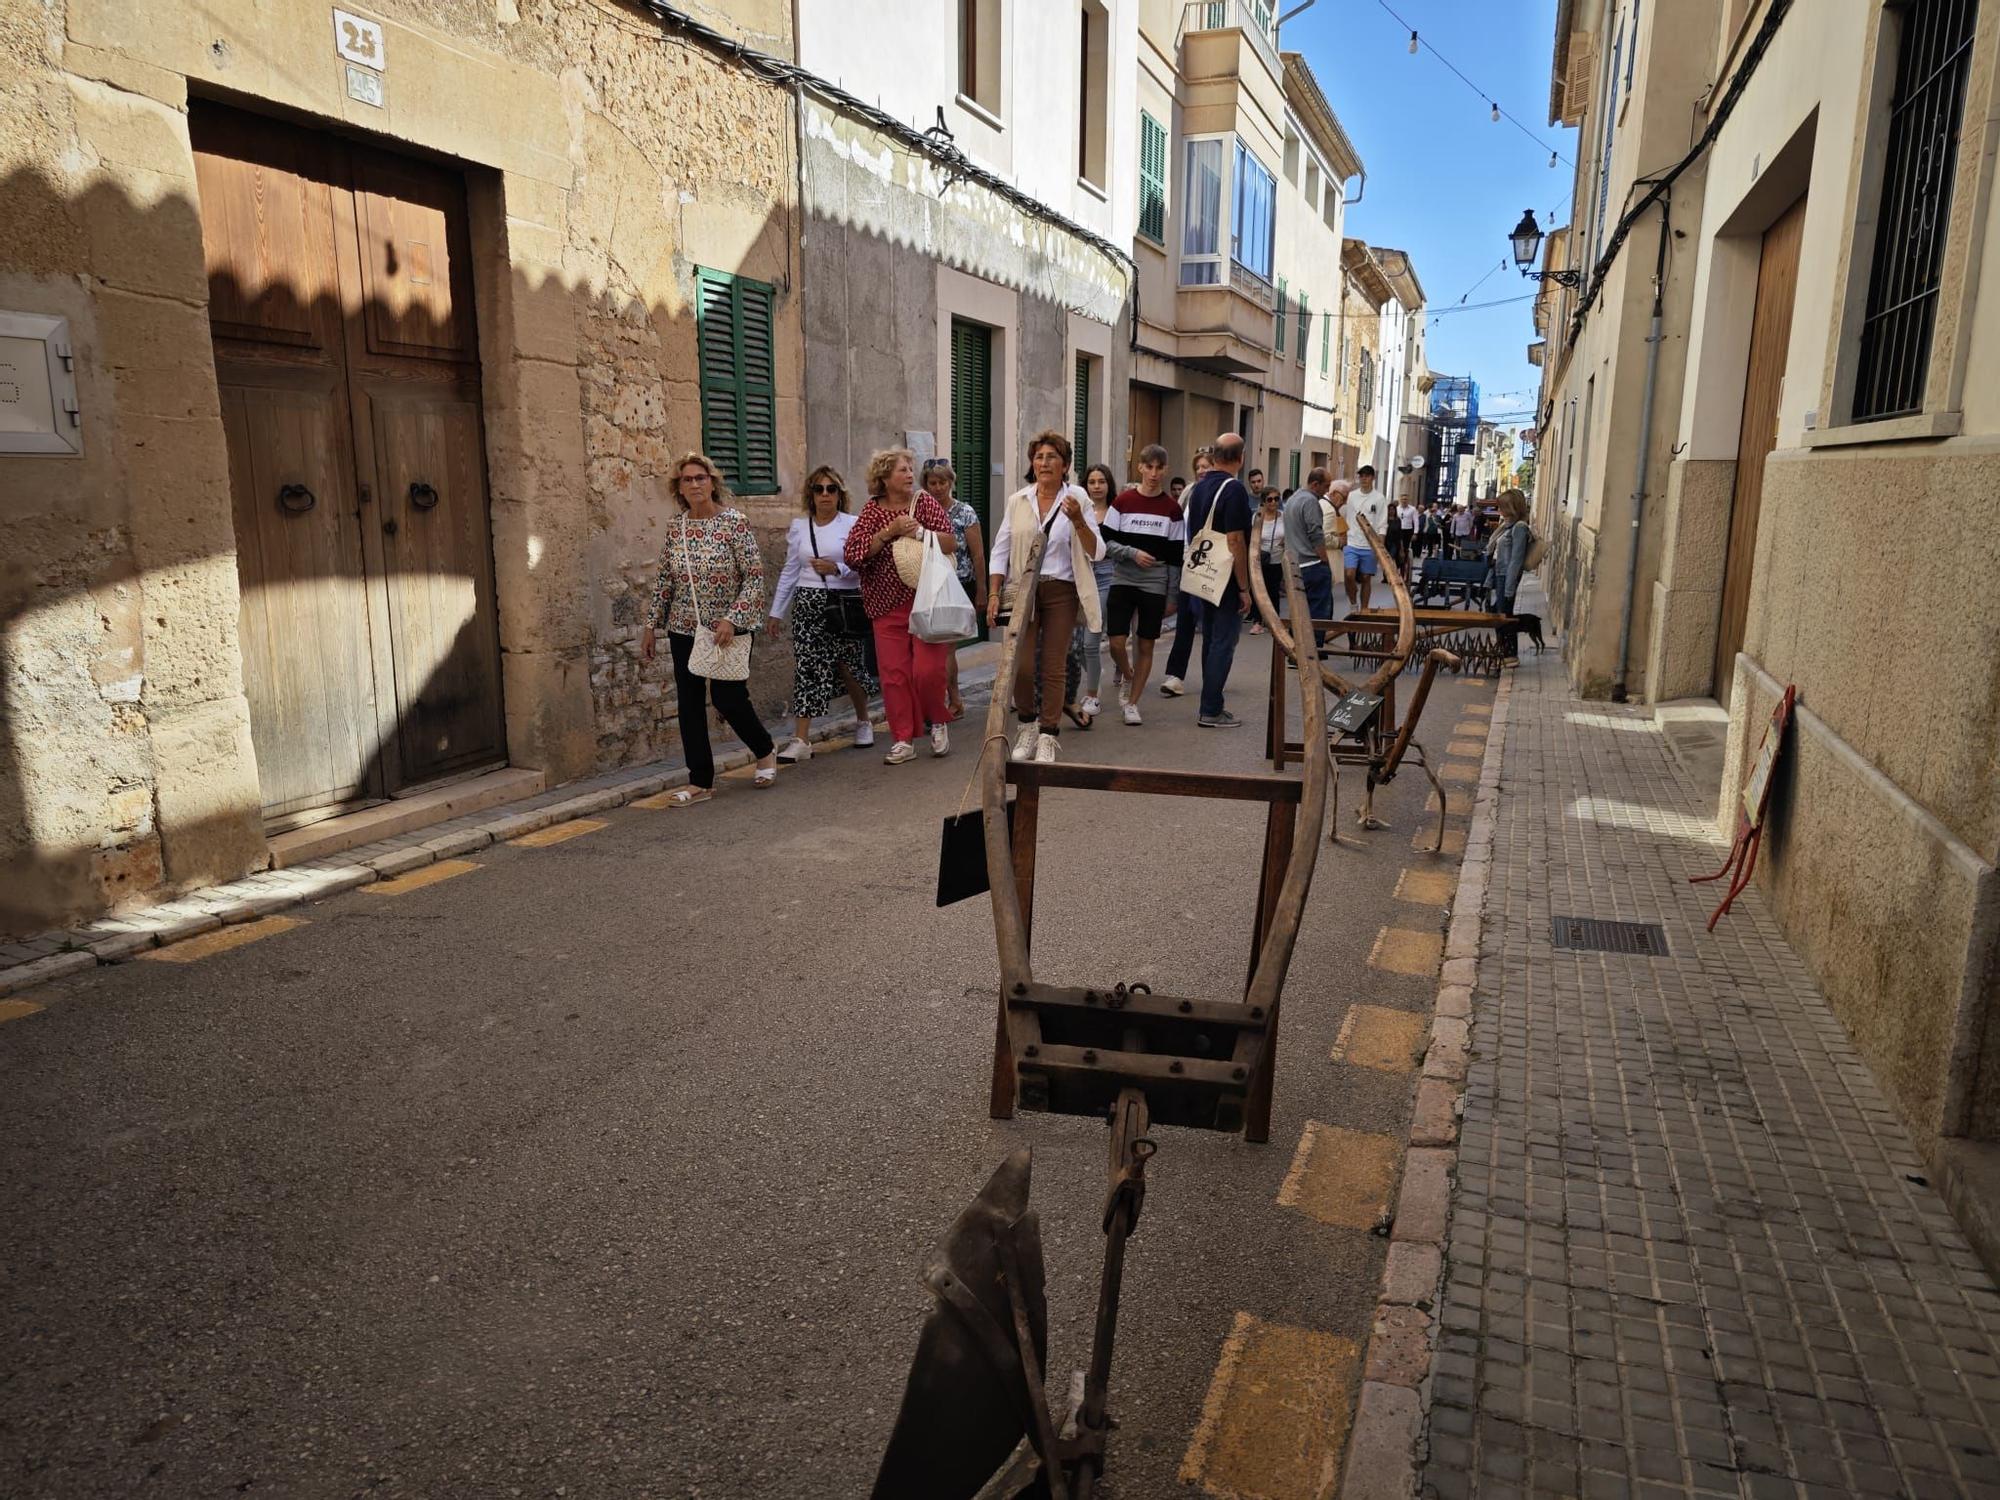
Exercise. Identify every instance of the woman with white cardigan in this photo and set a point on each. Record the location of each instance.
(1062, 513)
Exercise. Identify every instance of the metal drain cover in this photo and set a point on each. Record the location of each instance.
(1591, 935)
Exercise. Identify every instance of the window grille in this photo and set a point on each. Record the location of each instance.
(1920, 157)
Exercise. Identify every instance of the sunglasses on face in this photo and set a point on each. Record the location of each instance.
(826, 489)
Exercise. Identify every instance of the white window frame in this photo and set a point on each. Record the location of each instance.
(1245, 151)
(1210, 259)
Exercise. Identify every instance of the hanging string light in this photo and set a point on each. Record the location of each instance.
(1413, 44)
(1418, 44)
(1496, 114)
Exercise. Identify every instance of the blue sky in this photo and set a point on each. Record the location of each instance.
(1444, 182)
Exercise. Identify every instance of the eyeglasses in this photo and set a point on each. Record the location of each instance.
(694, 479)
(826, 489)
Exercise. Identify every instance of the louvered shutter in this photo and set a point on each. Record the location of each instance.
(734, 330)
(972, 416)
(1305, 326)
(1152, 177)
(1279, 343)
(1082, 439)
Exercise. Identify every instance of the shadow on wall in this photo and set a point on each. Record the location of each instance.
(209, 573)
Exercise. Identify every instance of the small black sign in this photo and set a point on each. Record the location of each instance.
(1352, 714)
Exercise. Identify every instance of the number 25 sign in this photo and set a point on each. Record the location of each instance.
(359, 41)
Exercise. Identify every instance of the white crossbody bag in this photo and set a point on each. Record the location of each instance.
(730, 663)
(1207, 565)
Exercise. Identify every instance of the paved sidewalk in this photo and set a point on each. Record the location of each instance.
(1692, 1251)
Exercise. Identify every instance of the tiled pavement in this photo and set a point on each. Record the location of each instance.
(1692, 1251)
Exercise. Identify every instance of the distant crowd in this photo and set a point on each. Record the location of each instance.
(1110, 577)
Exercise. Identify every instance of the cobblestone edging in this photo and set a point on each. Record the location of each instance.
(1382, 1460)
(60, 954)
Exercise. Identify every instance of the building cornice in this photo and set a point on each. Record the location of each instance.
(1309, 102)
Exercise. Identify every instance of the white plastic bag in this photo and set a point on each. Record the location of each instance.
(942, 614)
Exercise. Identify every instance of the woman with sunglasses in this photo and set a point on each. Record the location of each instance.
(941, 484)
(811, 587)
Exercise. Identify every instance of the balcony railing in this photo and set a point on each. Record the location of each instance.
(1254, 18)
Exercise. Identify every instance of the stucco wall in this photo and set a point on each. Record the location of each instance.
(879, 222)
(605, 161)
(1882, 850)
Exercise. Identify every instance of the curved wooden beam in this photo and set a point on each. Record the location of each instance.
(1406, 613)
(1281, 630)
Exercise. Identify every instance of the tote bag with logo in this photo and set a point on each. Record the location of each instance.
(1207, 566)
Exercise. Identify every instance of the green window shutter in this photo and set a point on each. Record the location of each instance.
(1295, 468)
(736, 338)
(1325, 340)
(1152, 178)
(972, 415)
(1081, 459)
(1305, 325)
(1280, 342)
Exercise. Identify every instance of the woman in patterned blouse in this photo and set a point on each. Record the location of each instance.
(912, 671)
(710, 574)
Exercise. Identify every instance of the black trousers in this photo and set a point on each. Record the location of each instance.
(732, 700)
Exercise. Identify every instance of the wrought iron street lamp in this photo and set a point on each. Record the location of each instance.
(1527, 240)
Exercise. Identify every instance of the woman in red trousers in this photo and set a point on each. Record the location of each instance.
(885, 548)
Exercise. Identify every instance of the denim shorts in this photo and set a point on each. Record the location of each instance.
(1361, 558)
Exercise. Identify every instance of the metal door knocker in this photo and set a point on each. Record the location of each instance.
(423, 496)
(296, 498)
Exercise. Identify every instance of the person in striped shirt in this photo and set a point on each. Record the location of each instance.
(1143, 534)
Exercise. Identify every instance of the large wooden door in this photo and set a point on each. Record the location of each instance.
(1763, 391)
(1147, 422)
(341, 313)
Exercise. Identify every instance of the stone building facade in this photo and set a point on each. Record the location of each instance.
(589, 175)
(1825, 445)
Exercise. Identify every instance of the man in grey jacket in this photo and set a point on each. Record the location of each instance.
(1305, 539)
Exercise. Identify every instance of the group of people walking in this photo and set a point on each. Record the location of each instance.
(1110, 564)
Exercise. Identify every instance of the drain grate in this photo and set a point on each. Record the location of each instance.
(1590, 935)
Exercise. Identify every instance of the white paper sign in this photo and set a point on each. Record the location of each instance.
(359, 41)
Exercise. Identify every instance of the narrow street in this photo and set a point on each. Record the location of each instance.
(608, 1166)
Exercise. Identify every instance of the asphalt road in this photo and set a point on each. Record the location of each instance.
(608, 1168)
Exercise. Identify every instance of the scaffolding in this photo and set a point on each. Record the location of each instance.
(1455, 429)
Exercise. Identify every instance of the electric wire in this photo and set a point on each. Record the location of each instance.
(1486, 94)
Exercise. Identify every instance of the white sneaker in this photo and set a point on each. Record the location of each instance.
(796, 751)
(899, 752)
(1046, 746)
(864, 735)
(1132, 714)
(940, 739)
(1091, 706)
(1172, 687)
(1024, 742)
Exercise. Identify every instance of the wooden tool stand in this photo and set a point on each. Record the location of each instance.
(1068, 1050)
(1202, 1063)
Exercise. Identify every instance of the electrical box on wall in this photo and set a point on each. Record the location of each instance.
(38, 410)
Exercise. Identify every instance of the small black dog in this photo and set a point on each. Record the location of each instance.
(1531, 627)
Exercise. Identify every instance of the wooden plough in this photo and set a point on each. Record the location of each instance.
(974, 1420)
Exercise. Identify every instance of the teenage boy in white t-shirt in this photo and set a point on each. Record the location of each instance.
(1358, 557)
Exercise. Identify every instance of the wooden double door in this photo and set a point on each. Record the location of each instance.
(340, 304)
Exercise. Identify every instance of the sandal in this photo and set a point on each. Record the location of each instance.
(687, 796)
(766, 776)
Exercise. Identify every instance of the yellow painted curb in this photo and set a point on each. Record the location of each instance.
(1275, 1420)
(221, 940)
(416, 880)
(558, 833)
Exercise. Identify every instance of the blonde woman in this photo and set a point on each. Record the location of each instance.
(810, 588)
(913, 671)
(1062, 513)
(710, 574)
(1508, 552)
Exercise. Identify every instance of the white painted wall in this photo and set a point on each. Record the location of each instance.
(903, 55)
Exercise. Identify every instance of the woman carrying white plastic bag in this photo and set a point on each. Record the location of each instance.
(942, 615)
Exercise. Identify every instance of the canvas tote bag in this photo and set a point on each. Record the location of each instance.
(1207, 566)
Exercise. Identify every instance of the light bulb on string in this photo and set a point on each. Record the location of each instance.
(1552, 160)
(1413, 44)
(1496, 114)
